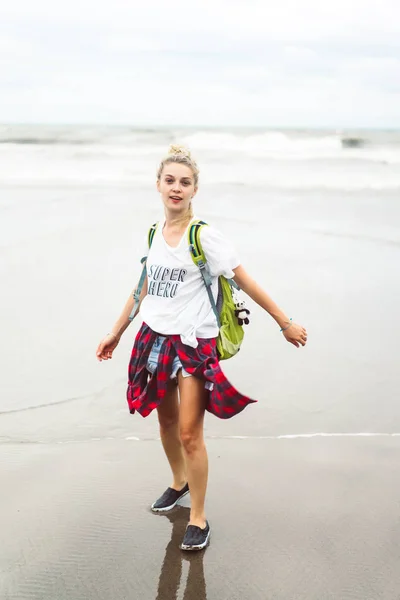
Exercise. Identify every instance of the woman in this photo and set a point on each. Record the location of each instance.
(175, 349)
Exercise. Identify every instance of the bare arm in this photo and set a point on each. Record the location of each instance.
(123, 321)
(296, 334)
(108, 344)
(252, 289)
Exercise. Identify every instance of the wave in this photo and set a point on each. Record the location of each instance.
(74, 135)
(293, 146)
(259, 144)
(265, 144)
(287, 160)
(272, 146)
(41, 141)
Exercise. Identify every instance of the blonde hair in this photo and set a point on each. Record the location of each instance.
(181, 154)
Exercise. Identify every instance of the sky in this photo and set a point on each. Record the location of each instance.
(286, 63)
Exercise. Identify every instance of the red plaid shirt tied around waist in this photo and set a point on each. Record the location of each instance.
(145, 393)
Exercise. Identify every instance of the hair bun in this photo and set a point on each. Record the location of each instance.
(175, 150)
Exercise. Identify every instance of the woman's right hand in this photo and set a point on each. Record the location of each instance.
(106, 347)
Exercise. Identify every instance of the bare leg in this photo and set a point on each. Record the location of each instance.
(193, 399)
(168, 417)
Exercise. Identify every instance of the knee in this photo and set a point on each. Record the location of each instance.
(167, 424)
(192, 441)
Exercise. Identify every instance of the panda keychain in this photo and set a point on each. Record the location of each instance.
(241, 312)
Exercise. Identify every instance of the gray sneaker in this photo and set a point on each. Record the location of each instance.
(196, 538)
(169, 499)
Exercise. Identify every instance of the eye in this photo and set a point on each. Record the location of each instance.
(186, 182)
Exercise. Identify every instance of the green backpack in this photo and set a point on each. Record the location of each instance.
(230, 334)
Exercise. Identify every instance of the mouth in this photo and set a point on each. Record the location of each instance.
(175, 199)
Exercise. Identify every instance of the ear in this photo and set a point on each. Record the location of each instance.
(194, 192)
(158, 185)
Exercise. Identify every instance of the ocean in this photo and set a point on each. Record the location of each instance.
(280, 160)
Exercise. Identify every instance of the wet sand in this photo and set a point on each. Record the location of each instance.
(310, 519)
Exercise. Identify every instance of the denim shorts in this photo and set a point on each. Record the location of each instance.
(152, 362)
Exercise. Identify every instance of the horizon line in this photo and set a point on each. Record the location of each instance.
(156, 126)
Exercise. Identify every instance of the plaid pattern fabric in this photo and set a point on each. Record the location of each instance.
(145, 393)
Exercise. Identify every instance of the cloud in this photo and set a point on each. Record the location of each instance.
(305, 64)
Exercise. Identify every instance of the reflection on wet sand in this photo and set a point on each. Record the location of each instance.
(171, 570)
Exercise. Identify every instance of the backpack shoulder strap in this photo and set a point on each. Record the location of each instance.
(151, 233)
(200, 260)
(138, 290)
(195, 247)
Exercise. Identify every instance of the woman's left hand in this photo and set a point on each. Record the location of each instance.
(296, 335)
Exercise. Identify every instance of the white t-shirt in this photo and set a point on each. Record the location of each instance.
(177, 302)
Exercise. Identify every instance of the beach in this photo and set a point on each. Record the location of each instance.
(302, 518)
(303, 493)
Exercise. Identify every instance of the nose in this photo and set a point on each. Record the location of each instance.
(176, 186)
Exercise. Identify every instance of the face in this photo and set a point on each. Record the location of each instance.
(176, 186)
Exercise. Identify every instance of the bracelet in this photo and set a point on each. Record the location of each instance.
(113, 334)
(284, 328)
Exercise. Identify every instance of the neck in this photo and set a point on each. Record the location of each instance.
(177, 222)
